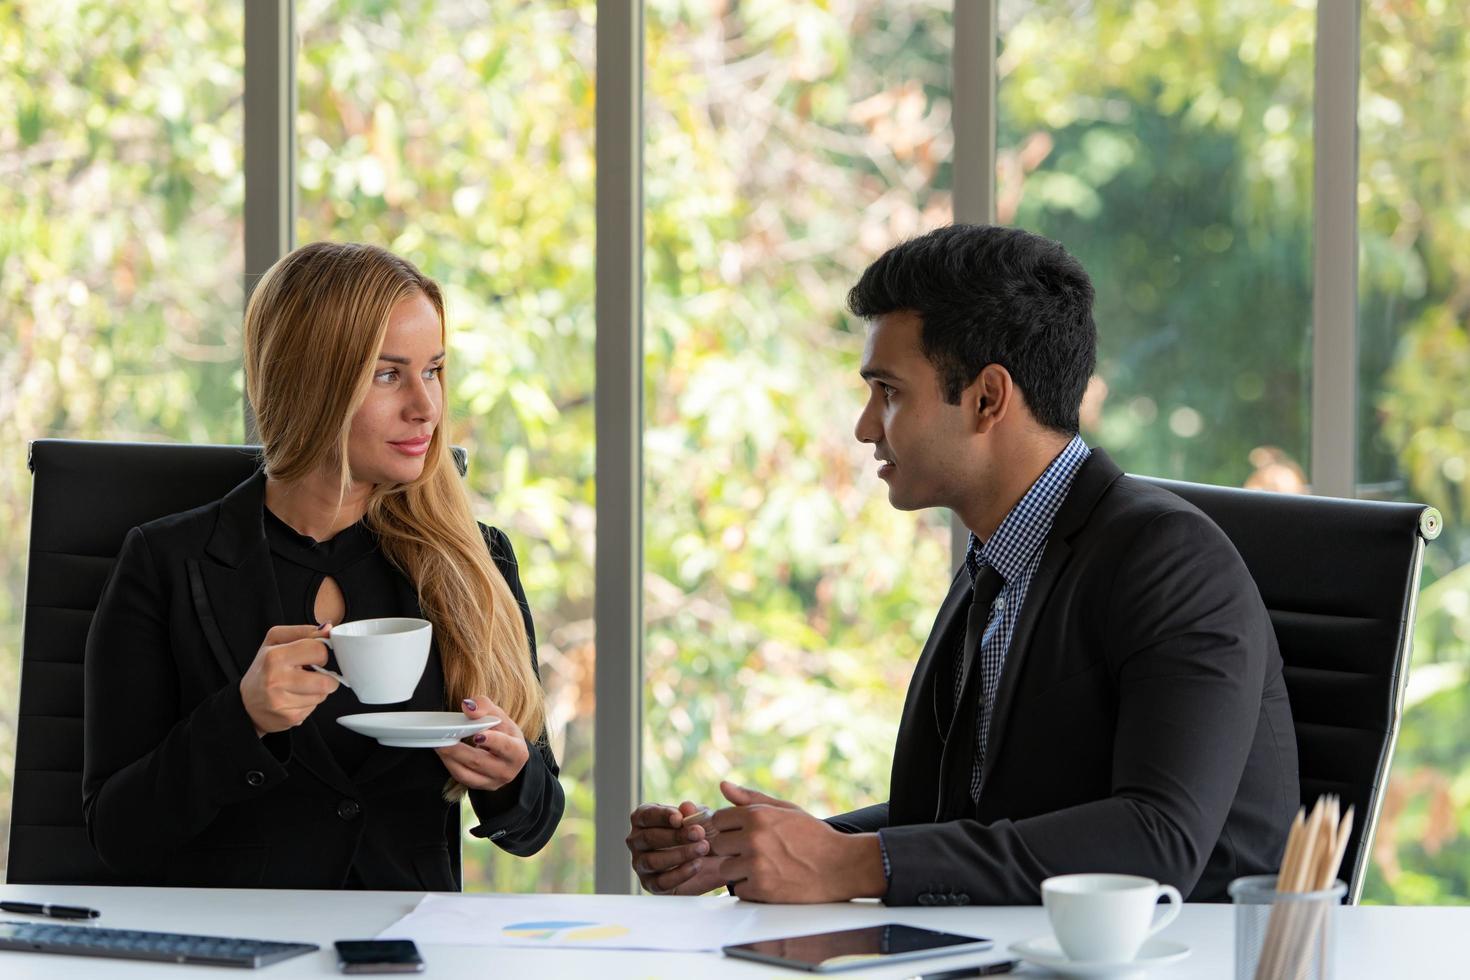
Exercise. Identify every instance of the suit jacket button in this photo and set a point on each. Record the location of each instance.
(497, 835)
(962, 899)
(255, 777)
(926, 899)
(348, 809)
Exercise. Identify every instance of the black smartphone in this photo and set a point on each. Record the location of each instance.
(378, 956)
(825, 952)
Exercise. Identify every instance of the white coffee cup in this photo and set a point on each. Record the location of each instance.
(1105, 918)
(381, 659)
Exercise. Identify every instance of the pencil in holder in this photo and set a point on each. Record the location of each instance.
(1284, 935)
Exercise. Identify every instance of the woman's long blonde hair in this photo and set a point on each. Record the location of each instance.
(313, 330)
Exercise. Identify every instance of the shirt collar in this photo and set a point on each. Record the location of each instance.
(1029, 522)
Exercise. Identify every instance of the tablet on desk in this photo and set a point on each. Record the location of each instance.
(825, 952)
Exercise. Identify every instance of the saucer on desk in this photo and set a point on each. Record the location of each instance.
(1044, 951)
(416, 729)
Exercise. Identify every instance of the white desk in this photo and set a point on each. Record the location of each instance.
(1373, 942)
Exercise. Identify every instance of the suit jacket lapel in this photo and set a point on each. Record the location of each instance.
(237, 601)
(214, 636)
(235, 593)
(913, 787)
(1053, 560)
(1094, 477)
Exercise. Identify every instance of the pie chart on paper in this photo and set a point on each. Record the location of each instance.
(565, 931)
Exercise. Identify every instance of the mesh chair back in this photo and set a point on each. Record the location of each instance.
(1340, 579)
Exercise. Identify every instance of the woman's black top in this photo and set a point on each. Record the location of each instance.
(371, 588)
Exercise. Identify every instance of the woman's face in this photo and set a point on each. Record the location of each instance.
(391, 429)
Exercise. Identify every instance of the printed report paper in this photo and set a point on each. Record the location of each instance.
(645, 922)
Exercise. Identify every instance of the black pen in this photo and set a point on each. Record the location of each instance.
(983, 970)
(53, 911)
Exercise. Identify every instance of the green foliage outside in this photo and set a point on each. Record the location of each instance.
(788, 145)
(1170, 148)
(120, 248)
(1168, 145)
(1414, 350)
(470, 151)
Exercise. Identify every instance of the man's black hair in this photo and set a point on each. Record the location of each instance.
(991, 295)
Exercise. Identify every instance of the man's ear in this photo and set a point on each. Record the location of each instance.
(991, 395)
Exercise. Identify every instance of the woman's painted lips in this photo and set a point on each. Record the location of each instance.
(416, 446)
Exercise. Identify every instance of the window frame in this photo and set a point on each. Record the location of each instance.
(269, 212)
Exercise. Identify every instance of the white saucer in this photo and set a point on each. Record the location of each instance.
(1044, 951)
(416, 729)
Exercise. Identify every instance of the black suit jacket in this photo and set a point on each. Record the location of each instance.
(1141, 723)
(178, 790)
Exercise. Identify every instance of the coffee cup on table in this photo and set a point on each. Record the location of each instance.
(381, 659)
(1105, 918)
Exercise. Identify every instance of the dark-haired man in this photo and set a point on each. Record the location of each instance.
(1102, 689)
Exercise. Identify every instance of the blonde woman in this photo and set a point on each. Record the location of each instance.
(213, 757)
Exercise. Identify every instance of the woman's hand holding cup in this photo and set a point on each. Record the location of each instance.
(489, 759)
(278, 689)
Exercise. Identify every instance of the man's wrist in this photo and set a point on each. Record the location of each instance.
(863, 861)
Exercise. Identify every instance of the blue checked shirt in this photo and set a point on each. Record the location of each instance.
(1014, 550)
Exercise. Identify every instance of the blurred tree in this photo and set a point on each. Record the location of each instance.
(120, 247)
(1414, 422)
(788, 145)
(1167, 145)
(470, 152)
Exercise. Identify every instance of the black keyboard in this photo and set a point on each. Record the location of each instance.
(135, 944)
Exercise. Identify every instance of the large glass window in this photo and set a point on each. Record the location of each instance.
(1414, 418)
(1169, 147)
(786, 601)
(460, 135)
(121, 266)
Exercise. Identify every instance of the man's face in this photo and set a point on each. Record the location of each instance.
(920, 439)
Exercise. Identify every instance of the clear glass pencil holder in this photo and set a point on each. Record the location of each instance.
(1290, 936)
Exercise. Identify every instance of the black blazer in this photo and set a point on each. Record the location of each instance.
(1140, 726)
(178, 790)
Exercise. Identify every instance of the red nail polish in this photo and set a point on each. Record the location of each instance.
(479, 738)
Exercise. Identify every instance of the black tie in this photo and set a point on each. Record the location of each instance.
(988, 584)
(959, 750)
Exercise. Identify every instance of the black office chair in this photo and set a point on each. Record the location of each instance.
(1340, 579)
(85, 498)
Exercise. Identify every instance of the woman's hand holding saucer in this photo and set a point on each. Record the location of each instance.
(492, 758)
(277, 689)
